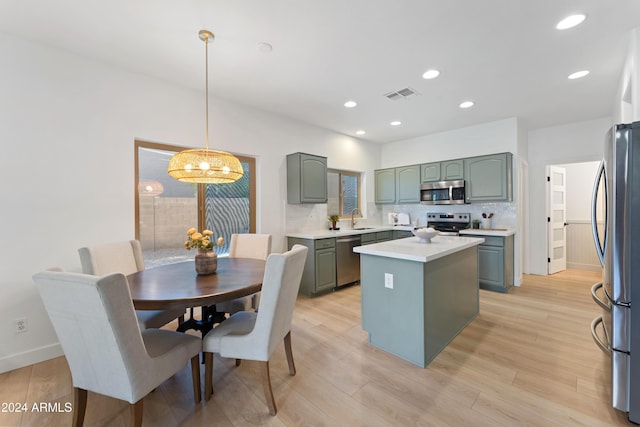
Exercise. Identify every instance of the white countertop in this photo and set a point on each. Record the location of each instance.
(412, 249)
(323, 233)
(503, 232)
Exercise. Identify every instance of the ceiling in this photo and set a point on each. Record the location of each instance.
(505, 55)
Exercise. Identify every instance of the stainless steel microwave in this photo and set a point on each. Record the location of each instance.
(443, 193)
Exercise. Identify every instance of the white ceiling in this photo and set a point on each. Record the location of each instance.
(506, 55)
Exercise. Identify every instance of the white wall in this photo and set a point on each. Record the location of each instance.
(579, 185)
(67, 179)
(627, 101)
(572, 143)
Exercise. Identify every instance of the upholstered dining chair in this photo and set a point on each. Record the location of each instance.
(107, 352)
(254, 336)
(249, 245)
(126, 258)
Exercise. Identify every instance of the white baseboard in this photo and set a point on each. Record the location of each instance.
(36, 355)
(588, 267)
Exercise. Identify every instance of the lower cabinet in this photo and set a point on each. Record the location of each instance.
(319, 275)
(495, 263)
(401, 234)
(380, 236)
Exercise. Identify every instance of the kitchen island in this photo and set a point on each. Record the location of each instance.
(416, 297)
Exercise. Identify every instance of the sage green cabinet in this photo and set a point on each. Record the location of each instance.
(397, 185)
(319, 275)
(376, 237)
(385, 186)
(306, 178)
(489, 178)
(408, 184)
(401, 234)
(430, 172)
(442, 171)
(452, 170)
(495, 263)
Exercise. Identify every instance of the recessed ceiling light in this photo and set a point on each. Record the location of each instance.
(578, 74)
(395, 123)
(265, 47)
(467, 104)
(360, 132)
(430, 74)
(571, 21)
(350, 104)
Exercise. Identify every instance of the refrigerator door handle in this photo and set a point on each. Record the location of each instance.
(603, 346)
(597, 299)
(600, 248)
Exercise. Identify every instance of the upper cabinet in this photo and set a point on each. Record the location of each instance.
(430, 172)
(452, 170)
(442, 171)
(306, 178)
(398, 185)
(408, 184)
(489, 178)
(385, 185)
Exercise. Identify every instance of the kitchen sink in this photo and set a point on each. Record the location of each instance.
(363, 228)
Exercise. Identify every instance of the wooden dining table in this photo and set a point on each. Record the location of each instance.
(178, 286)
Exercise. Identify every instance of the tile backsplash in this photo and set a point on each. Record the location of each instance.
(314, 216)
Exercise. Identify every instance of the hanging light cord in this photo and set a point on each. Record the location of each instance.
(206, 84)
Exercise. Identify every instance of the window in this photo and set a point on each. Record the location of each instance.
(167, 208)
(343, 192)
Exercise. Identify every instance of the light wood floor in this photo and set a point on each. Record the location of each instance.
(527, 359)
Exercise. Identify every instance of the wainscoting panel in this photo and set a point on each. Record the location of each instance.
(581, 251)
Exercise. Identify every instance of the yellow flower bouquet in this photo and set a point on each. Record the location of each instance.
(204, 240)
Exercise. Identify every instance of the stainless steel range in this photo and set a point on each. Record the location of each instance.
(448, 224)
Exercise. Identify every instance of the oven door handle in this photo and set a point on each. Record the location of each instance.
(597, 299)
(594, 334)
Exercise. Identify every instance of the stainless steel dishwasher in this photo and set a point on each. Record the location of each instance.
(347, 261)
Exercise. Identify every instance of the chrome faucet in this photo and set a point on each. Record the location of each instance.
(353, 220)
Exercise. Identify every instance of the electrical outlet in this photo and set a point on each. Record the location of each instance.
(388, 280)
(21, 325)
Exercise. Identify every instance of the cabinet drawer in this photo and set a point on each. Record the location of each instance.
(493, 241)
(384, 235)
(325, 243)
(367, 238)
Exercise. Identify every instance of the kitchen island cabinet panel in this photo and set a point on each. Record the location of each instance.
(424, 308)
(416, 297)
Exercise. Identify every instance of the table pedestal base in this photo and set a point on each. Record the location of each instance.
(210, 316)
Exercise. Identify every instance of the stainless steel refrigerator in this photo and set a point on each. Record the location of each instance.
(616, 231)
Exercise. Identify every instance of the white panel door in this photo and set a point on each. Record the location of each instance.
(556, 219)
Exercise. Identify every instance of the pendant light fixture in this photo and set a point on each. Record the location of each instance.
(205, 166)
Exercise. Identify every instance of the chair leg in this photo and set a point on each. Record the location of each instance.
(208, 375)
(287, 350)
(79, 406)
(195, 377)
(266, 384)
(136, 413)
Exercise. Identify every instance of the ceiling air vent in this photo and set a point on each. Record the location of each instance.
(401, 94)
